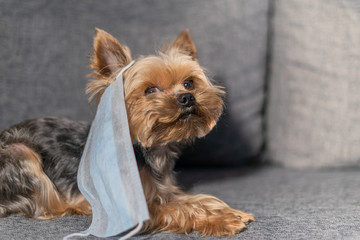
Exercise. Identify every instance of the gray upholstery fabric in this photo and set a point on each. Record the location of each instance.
(288, 204)
(44, 47)
(313, 108)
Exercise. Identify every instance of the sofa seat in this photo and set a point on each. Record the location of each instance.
(288, 204)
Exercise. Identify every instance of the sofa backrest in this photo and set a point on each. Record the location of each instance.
(44, 47)
(313, 109)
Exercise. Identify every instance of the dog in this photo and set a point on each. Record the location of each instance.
(170, 102)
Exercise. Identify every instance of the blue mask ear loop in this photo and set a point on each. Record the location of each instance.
(140, 225)
(132, 232)
(124, 69)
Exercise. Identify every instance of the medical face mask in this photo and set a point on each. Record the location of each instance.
(108, 175)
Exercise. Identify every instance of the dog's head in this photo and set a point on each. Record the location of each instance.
(168, 96)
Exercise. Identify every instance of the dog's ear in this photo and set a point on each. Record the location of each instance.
(109, 55)
(185, 43)
(108, 58)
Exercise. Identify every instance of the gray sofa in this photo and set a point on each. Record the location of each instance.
(287, 148)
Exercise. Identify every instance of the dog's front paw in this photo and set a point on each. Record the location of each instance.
(223, 222)
(246, 217)
(205, 214)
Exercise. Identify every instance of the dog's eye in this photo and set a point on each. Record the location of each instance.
(151, 89)
(189, 84)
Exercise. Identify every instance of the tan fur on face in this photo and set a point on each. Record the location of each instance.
(154, 119)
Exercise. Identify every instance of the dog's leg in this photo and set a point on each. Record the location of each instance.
(26, 189)
(172, 210)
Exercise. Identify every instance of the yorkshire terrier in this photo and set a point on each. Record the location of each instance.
(170, 101)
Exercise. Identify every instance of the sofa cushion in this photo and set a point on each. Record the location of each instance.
(313, 111)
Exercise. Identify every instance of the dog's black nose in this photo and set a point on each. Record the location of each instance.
(186, 100)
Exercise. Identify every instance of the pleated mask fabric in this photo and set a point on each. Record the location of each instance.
(108, 175)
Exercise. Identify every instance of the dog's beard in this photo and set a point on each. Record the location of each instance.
(159, 119)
